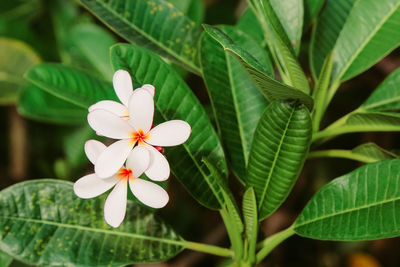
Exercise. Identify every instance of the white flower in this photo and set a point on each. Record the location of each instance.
(123, 88)
(147, 192)
(137, 129)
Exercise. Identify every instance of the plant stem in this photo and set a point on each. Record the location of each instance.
(339, 153)
(271, 242)
(234, 236)
(210, 249)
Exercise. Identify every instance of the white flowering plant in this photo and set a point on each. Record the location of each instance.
(144, 126)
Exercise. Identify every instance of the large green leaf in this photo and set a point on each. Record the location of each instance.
(281, 47)
(236, 100)
(175, 100)
(249, 24)
(155, 24)
(311, 9)
(194, 9)
(42, 222)
(21, 10)
(16, 57)
(250, 217)
(386, 96)
(369, 152)
(70, 84)
(361, 121)
(269, 87)
(278, 152)
(362, 43)
(326, 31)
(290, 13)
(91, 44)
(361, 205)
(5, 260)
(37, 104)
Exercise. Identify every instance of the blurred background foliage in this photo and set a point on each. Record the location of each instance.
(33, 31)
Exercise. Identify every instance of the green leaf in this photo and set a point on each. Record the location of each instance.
(361, 205)
(386, 96)
(42, 222)
(70, 84)
(19, 10)
(39, 105)
(236, 100)
(175, 100)
(290, 13)
(269, 87)
(5, 260)
(16, 57)
(369, 152)
(326, 31)
(91, 45)
(74, 142)
(311, 10)
(361, 121)
(360, 45)
(194, 9)
(249, 24)
(249, 208)
(278, 152)
(156, 25)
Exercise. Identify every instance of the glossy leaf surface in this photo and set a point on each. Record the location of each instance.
(386, 96)
(361, 205)
(156, 25)
(237, 102)
(44, 223)
(278, 152)
(370, 32)
(249, 24)
(174, 100)
(70, 84)
(269, 87)
(326, 31)
(5, 260)
(250, 216)
(37, 104)
(194, 9)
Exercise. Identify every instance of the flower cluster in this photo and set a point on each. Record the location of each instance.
(131, 123)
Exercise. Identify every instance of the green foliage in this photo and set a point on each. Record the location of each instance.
(194, 9)
(48, 225)
(174, 100)
(387, 96)
(360, 45)
(361, 205)
(154, 24)
(16, 58)
(37, 104)
(5, 260)
(311, 9)
(250, 217)
(248, 23)
(278, 152)
(236, 100)
(70, 84)
(269, 87)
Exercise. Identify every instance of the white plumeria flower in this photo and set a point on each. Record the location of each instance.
(123, 88)
(136, 130)
(147, 192)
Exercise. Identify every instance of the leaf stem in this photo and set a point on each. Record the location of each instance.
(210, 249)
(271, 242)
(339, 153)
(233, 234)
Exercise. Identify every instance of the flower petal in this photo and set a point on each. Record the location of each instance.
(93, 149)
(111, 106)
(149, 88)
(159, 166)
(149, 193)
(109, 124)
(113, 157)
(138, 160)
(115, 205)
(91, 186)
(123, 86)
(169, 133)
(141, 110)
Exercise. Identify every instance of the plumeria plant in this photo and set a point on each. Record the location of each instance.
(241, 159)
